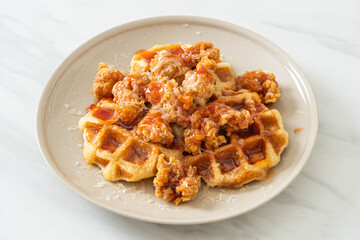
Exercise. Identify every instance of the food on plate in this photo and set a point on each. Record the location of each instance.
(181, 115)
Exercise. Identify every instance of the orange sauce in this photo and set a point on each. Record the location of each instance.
(89, 108)
(152, 119)
(177, 49)
(298, 130)
(103, 113)
(147, 55)
(153, 92)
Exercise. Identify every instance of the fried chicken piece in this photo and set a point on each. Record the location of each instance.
(195, 53)
(130, 110)
(175, 181)
(186, 100)
(104, 81)
(167, 66)
(162, 92)
(130, 97)
(207, 121)
(200, 83)
(165, 95)
(153, 128)
(262, 83)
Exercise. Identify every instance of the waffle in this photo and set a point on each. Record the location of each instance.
(251, 152)
(175, 180)
(187, 119)
(225, 78)
(120, 154)
(248, 157)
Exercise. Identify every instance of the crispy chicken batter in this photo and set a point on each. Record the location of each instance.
(207, 121)
(195, 53)
(262, 83)
(167, 66)
(175, 181)
(165, 95)
(199, 84)
(105, 80)
(153, 128)
(129, 96)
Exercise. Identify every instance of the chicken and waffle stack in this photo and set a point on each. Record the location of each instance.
(180, 116)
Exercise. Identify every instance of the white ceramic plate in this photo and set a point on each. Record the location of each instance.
(68, 92)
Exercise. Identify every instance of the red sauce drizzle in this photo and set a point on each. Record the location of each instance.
(103, 113)
(147, 55)
(153, 92)
(89, 108)
(177, 50)
(204, 75)
(152, 119)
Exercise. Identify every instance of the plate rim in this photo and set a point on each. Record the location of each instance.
(79, 51)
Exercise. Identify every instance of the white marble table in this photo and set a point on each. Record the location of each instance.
(322, 36)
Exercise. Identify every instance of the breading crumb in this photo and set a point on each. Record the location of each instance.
(298, 130)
